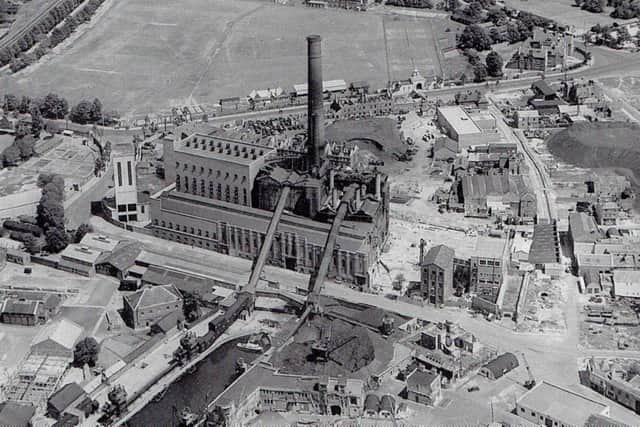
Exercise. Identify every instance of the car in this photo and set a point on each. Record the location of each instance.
(391, 296)
(473, 388)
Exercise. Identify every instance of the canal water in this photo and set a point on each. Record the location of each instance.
(195, 389)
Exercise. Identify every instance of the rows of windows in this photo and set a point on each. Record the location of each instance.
(228, 193)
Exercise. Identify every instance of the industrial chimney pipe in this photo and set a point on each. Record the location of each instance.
(315, 107)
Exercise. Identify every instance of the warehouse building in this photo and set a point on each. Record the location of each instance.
(466, 129)
(492, 195)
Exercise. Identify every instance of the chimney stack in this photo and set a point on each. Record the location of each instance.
(315, 107)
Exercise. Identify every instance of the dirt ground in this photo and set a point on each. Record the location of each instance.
(545, 303)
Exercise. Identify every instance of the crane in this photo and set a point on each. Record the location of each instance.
(531, 382)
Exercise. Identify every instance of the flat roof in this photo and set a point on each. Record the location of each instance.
(82, 253)
(302, 89)
(528, 113)
(490, 247)
(459, 120)
(561, 404)
(225, 149)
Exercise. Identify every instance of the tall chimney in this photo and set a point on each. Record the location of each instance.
(315, 107)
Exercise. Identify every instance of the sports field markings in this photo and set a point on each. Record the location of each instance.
(163, 24)
(96, 70)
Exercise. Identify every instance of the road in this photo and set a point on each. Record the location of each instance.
(537, 175)
(77, 209)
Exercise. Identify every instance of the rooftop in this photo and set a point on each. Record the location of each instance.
(82, 253)
(561, 404)
(16, 414)
(502, 364)
(583, 228)
(528, 113)
(545, 248)
(18, 306)
(225, 149)
(440, 255)
(153, 295)
(543, 88)
(98, 241)
(459, 120)
(64, 332)
(490, 247)
(65, 396)
(420, 381)
(123, 149)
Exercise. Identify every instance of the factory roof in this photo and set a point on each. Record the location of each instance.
(65, 396)
(327, 86)
(545, 248)
(561, 404)
(440, 255)
(481, 186)
(98, 241)
(597, 420)
(123, 255)
(528, 113)
(153, 295)
(63, 332)
(541, 87)
(489, 247)
(459, 120)
(420, 381)
(583, 228)
(16, 414)
(626, 283)
(594, 260)
(81, 253)
(123, 149)
(226, 149)
(502, 364)
(20, 306)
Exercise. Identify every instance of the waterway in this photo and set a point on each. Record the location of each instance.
(195, 389)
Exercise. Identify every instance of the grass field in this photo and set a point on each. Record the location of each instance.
(563, 11)
(141, 57)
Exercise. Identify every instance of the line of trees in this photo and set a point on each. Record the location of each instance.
(50, 212)
(622, 9)
(16, 54)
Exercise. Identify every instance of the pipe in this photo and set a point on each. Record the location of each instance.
(315, 107)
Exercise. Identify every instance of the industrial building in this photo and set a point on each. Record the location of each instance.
(499, 366)
(488, 266)
(424, 387)
(614, 383)
(494, 195)
(436, 278)
(222, 194)
(467, 129)
(127, 206)
(151, 304)
(551, 405)
(626, 284)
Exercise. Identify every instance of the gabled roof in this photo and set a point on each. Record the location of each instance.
(543, 88)
(502, 364)
(124, 255)
(153, 295)
(61, 399)
(583, 228)
(440, 255)
(64, 332)
(545, 248)
(597, 420)
(16, 306)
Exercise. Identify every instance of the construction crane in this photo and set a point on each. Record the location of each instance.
(531, 382)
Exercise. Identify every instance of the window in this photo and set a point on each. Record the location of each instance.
(178, 182)
(131, 207)
(219, 192)
(227, 193)
(133, 217)
(119, 174)
(193, 186)
(142, 208)
(244, 197)
(202, 187)
(129, 175)
(122, 208)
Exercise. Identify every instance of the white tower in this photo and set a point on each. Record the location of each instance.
(125, 186)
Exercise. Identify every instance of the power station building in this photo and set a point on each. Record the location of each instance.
(222, 193)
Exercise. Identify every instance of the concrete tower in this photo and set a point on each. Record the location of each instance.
(315, 107)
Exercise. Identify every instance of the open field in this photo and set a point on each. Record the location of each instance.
(138, 57)
(564, 12)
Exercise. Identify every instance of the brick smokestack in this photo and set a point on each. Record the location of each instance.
(315, 107)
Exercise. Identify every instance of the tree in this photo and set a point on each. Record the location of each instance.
(10, 102)
(82, 112)
(54, 107)
(474, 36)
(25, 105)
(44, 178)
(190, 308)
(11, 155)
(51, 190)
(26, 145)
(497, 15)
(479, 73)
(86, 352)
(81, 232)
(96, 110)
(31, 244)
(56, 239)
(36, 122)
(494, 64)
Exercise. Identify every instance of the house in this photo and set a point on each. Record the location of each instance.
(16, 414)
(436, 278)
(21, 312)
(424, 387)
(542, 90)
(499, 366)
(150, 304)
(527, 119)
(58, 339)
(626, 283)
(445, 149)
(72, 400)
(552, 405)
(387, 406)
